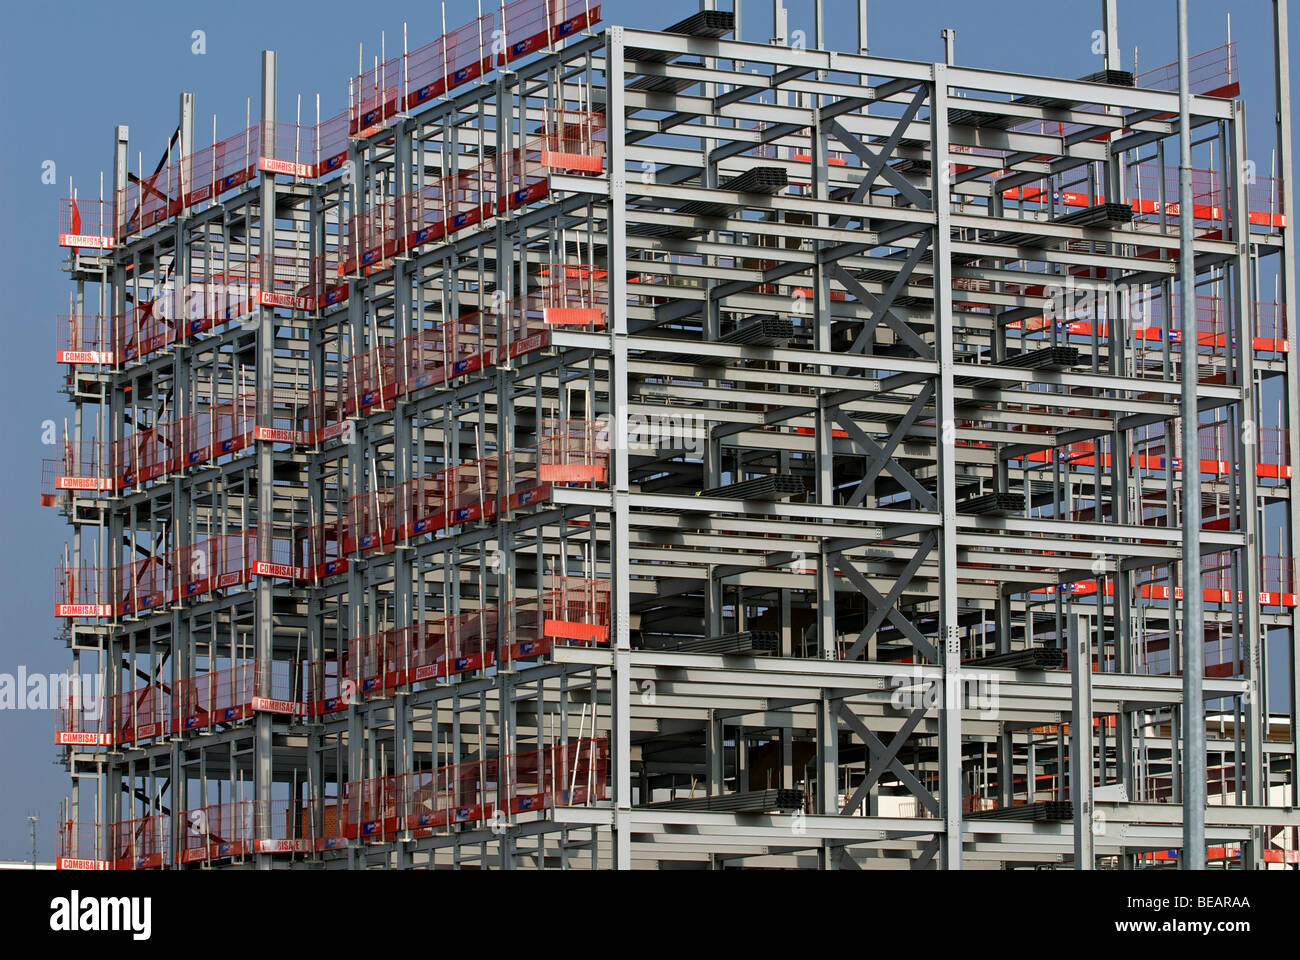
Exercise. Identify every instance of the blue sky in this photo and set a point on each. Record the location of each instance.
(73, 71)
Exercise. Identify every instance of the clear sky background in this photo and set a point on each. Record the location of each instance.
(72, 71)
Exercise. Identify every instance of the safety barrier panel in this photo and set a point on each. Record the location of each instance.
(219, 562)
(570, 611)
(1210, 73)
(1217, 456)
(1276, 587)
(140, 843)
(315, 150)
(84, 720)
(89, 339)
(464, 493)
(574, 451)
(573, 774)
(516, 178)
(231, 829)
(86, 223)
(187, 310)
(404, 82)
(216, 831)
(573, 296)
(164, 708)
(80, 846)
(566, 775)
(168, 447)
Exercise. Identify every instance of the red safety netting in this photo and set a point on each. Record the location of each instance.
(1144, 192)
(1217, 444)
(186, 181)
(84, 720)
(300, 281)
(216, 831)
(140, 843)
(80, 845)
(1273, 453)
(572, 296)
(1211, 73)
(1153, 340)
(230, 829)
(566, 775)
(405, 81)
(573, 774)
(150, 582)
(1264, 198)
(570, 140)
(86, 223)
(87, 467)
(85, 592)
(51, 495)
(89, 339)
(570, 611)
(574, 451)
(221, 695)
(463, 54)
(218, 562)
(1221, 584)
(1270, 328)
(313, 150)
(1277, 581)
(213, 432)
(464, 493)
(332, 143)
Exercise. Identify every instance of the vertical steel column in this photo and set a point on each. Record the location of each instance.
(182, 643)
(109, 786)
(355, 484)
(620, 561)
(1081, 739)
(263, 636)
(1110, 26)
(950, 702)
(403, 569)
(1193, 609)
(1246, 452)
(1287, 278)
(828, 729)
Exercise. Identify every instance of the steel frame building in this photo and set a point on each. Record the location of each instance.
(629, 448)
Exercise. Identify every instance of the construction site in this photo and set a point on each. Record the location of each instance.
(605, 448)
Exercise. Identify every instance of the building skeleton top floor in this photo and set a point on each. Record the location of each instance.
(535, 490)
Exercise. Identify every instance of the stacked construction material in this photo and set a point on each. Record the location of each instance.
(745, 643)
(773, 487)
(993, 505)
(1045, 358)
(766, 181)
(1106, 216)
(712, 24)
(761, 332)
(751, 801)
(1033, 658)
(1001, 121)
(1044, 811)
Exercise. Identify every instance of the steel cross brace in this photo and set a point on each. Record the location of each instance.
(880, 306)
(883, 457)
(876, 165)
(884, 606)
(876, 161)
(885, 758)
